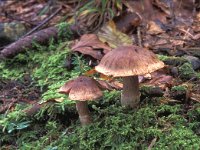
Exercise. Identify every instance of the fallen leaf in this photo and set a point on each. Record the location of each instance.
(102, 76)
(154, 28)
(127, 21)
(89, 44)
(116, 84)
(90, 72)
(104, 85)
(161, 79)
(195, 97)
(110, 85)
(105, 77)
(112, 36)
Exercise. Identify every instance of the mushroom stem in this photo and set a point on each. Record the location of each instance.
(84, 113)
(130, 95)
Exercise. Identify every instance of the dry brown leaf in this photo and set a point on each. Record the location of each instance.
(145, 10)
(154, 28)
(117, 85)
(161, 79)
(89, 44)
(104, 85)
(195, 97)
(112, 36)
(89, 51)
(110, 85)
(90, 72)
(127, 21)
(105, 77)
(102, 76)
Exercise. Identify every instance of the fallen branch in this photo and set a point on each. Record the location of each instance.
(40, 37)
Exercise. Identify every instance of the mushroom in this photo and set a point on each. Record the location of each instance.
(82, 89)
(129, 62)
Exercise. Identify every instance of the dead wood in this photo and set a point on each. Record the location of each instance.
(40, 37)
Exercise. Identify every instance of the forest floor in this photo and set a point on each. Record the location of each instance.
(33, 115)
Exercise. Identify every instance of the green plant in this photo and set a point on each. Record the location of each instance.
(64, 31)
(163, 57)
(175, 61)
(179, 88)
(14, 120)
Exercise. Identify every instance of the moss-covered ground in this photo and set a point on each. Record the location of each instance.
(56, 126)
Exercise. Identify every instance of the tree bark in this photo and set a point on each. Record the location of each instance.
(130, 95)
(84, 113)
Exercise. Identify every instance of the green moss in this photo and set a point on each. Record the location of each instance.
(115, 127)
(175, 61)
(11, 70)
(186, 71)
(179, 88)
(163, 57)
(64, 31)
(198, 75)
(150, 93)
(119, 128)
(145, 88)
(46, 67)
(56, 126)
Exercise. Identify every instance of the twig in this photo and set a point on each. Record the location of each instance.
(43, 22)
(187, 33)
(173, 38)
(195, 97)
(139, 36)
(13, 17)
(152, 144)
(189, 49)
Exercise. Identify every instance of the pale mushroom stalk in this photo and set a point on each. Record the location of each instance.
(130, 95)
(128, 62)
(84, 113)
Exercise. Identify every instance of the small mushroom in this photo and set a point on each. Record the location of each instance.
(129, 62)
(82, 89)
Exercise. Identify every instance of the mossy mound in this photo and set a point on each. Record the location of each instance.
(186, 71)
(56, 126)
(174, 61)
(115, 127)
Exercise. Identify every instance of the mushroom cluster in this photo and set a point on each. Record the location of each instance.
(128, 62)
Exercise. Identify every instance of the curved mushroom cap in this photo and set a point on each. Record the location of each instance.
(129, 61)
(82, 89)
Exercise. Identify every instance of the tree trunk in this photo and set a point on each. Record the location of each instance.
(130, 95)
(84, 113)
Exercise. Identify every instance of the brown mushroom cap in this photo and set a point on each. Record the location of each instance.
(129, 61)
(82, 89)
